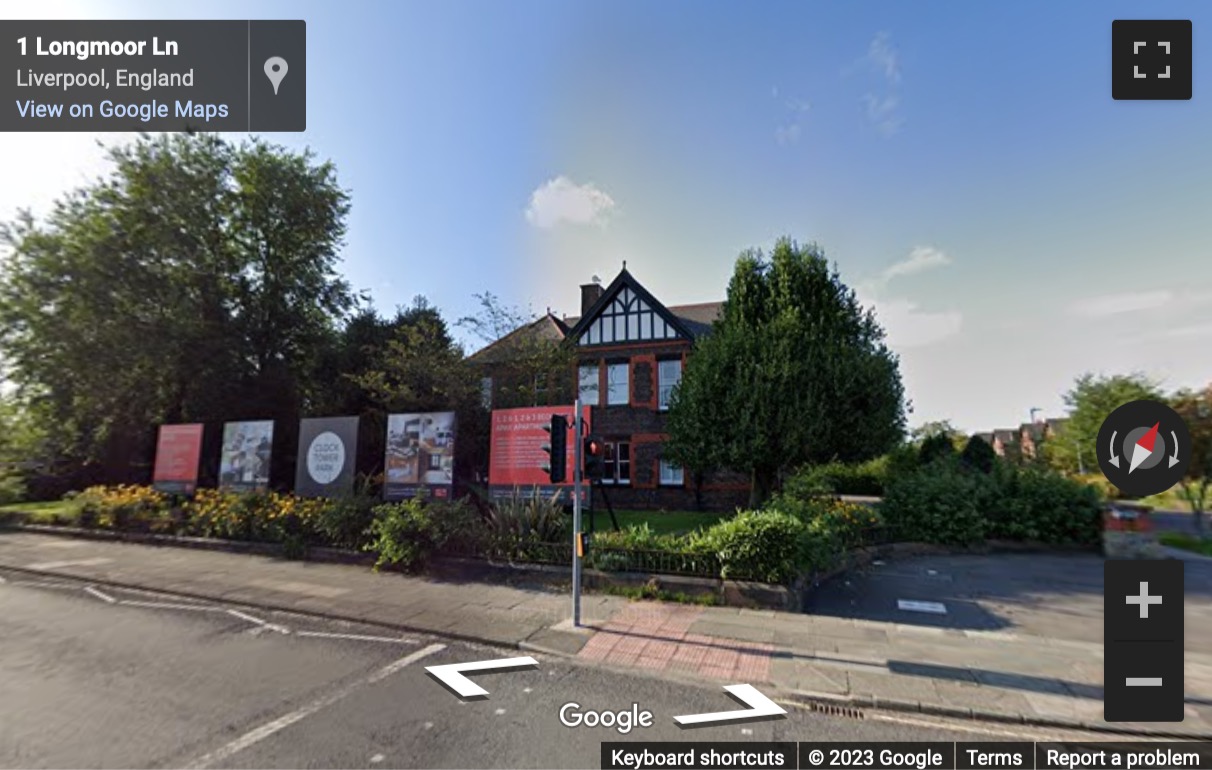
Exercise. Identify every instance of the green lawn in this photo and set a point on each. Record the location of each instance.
(47, 506)
(658, 521)
(41, 512)
(1186, 542)
(1170, 500)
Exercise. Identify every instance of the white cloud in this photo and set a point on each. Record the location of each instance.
(909, 326)
(561, 200)
(883, 103)
(799, 105)
(882, 113)
(920, 259)
(884, 57)
(787, 134)
(1117, 304)
(1190, 332)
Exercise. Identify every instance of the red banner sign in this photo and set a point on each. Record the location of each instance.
(516, 458)
(177, 453)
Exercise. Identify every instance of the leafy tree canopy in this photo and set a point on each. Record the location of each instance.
(795, 372)
(196, 281)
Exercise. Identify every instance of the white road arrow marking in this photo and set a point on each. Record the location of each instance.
(1174, 458)
(451, 674)
(759, 706)
(1114, 457)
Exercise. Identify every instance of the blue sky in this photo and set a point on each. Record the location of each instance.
(963, 163)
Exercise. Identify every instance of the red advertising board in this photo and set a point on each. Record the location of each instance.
(516, 458)
(177, 453)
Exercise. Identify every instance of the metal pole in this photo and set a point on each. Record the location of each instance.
(576, 516)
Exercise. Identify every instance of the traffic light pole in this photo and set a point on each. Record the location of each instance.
(576, 515)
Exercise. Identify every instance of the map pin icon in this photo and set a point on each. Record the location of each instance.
(275, 70)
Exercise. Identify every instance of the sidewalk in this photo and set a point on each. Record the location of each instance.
(838, 661)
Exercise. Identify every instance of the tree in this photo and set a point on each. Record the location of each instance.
(196, 282)
(1090, 400)
(423, 369)
(529, 362)
(978, 455)
(1195, 407)
(936, 447)
(795, 372)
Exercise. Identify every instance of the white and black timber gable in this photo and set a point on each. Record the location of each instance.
(627, 313)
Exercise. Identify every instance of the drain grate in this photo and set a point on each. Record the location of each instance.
(836, 711)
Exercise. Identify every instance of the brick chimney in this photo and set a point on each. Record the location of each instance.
(590, 293)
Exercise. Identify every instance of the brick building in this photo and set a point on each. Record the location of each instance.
(630, 350)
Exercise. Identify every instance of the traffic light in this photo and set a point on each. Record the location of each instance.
(595, 457)
(557, 448)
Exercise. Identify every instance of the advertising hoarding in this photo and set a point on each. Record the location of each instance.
(328, 450)
(516, 456)
(244, 461)
(420, 454)
(178, 449)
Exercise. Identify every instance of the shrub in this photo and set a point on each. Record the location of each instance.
(978, 455)
(899, 463)
(254, 515)
(344, 522)
(640, 537)
(12, 486)
(1038, 505)
(529, 517)
(123, 507)
(757, 545)
(938, 504)
(838, 478)
(408, 533)
(935, 448)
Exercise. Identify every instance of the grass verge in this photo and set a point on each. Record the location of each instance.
(46, 512)
(1186, 542)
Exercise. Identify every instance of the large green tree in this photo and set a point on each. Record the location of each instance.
(1091, 399)
(795, 371)
(196, 281)
(421, 368)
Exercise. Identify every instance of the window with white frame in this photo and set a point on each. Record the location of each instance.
(618, 383)
(672, 474)
(587, 384)
(617, 463)
(669, 375)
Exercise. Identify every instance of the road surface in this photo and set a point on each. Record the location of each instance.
(109, 678)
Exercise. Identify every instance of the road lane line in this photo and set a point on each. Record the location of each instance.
(355, 637)
(263, 623)
(281, 723)
(76, 563)
(99, 594)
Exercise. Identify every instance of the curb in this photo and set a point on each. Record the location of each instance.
(268, 606)
(979, 715)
